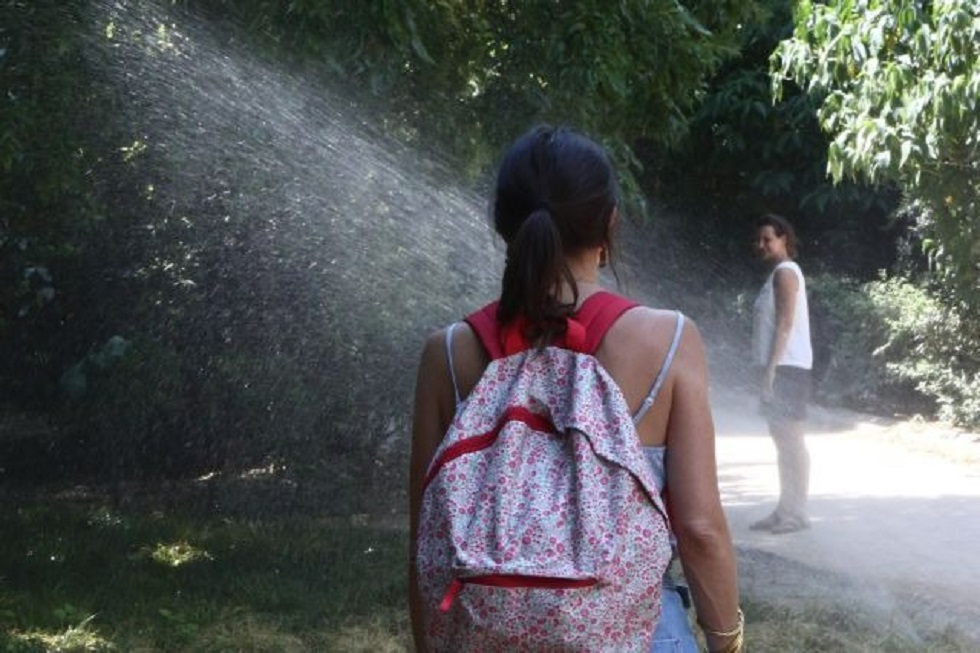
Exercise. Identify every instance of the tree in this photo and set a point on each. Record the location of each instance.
(744, 155)
(472, 75)
(899, 88)
(51, 110)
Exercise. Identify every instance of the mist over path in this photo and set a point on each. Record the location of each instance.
(895, 509)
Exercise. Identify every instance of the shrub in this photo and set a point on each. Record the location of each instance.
(930, 345)
(153, 410)
(846, 330)
(895, 346)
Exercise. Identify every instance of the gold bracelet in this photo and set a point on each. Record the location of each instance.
(725, 633)
(737, 645)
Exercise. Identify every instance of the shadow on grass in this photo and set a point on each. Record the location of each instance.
(80, 574)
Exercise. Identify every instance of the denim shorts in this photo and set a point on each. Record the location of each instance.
(673, 634)
(790, 394)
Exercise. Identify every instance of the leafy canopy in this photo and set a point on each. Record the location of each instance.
(471, 75)
(899, 89)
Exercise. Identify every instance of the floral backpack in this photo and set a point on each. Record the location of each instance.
(541, 526)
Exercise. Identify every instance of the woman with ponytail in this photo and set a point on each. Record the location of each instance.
(555, 206)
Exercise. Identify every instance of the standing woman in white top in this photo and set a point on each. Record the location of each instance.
(781, 349)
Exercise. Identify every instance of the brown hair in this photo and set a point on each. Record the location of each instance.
(555, 196)
(782, 227)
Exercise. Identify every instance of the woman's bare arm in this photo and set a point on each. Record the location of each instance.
(699, 524)
(429, 422)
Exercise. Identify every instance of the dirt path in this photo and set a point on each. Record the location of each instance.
(896, 516)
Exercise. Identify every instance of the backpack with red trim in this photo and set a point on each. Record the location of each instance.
(541, 526)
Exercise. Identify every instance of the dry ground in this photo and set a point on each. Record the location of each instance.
(895, 507)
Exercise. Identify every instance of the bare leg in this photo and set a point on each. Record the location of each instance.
(794, 470)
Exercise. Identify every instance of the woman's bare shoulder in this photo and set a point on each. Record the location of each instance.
(645, 322)
(649, 328)
(462, 334)
(463, 349)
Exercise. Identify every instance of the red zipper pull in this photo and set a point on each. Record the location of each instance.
(450, 596)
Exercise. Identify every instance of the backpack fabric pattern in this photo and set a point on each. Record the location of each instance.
(541, 525)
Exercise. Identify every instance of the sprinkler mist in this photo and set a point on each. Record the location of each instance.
(297, 251)
(288, 257)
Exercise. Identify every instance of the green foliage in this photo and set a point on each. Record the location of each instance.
(75, 380)
(850, 327)
(897, 347)
(744, 155)
(177, 553)
(898, 83)
(930, 344)
(100, 234)
(270, 584)
(99, 239)
(817, 627)
(55, 150)
(745, 143)
(276, 584)
(472, 75)
(156, 412)
(184, 627)
(127, 414)
(153, 413)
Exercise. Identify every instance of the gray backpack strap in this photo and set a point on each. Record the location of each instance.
(449, 358)
(662, 374)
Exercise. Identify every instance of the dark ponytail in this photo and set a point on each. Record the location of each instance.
(533, 273)
(555, 196)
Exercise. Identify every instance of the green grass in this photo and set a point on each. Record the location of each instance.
(824, 628)
(80, 575)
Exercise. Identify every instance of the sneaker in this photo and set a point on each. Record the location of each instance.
(766, 524)
(790, 525)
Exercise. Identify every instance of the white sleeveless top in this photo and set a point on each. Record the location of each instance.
(798, 352)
